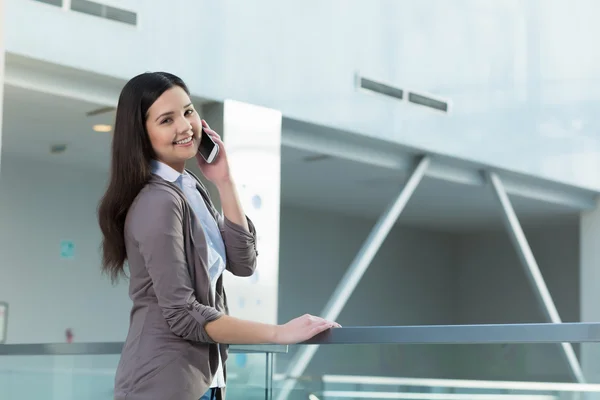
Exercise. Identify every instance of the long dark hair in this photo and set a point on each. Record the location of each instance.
(130, 169)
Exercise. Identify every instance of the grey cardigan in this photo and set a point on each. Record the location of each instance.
(167, 353)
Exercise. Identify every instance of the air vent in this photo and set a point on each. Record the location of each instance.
(398, 94)
(427, 101)
(317, 157)
(381, 88)
(104, 11)
(57, 3)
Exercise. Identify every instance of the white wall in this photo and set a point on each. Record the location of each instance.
(410, 282)
(493, 288)
(40, 205)
(501, 63)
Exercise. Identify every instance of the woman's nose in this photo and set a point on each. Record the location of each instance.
(183, 125)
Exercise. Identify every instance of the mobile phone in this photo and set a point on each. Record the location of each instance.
(208, 149)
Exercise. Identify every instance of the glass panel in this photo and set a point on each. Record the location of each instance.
(440, 372)
(91, 377)
(57, 377)
(247, 376)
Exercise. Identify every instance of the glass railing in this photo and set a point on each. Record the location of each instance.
(85, 371)
(476, 362)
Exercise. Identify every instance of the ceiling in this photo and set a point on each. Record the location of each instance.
(34, 121)
(353, 188)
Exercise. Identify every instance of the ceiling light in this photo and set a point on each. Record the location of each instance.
(102, 128)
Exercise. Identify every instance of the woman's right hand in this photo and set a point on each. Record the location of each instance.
(302, 328)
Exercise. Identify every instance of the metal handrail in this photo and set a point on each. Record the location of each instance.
(578, 332)
(104, 348)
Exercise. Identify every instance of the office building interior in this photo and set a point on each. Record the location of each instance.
(424, 172)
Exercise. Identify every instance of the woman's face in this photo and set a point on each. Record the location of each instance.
(174, 128)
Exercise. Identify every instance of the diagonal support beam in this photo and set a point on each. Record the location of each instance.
(355, 271)
(532, 269)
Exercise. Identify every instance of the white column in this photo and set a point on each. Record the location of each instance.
(2, 61)
(252, 136)
(589, 272)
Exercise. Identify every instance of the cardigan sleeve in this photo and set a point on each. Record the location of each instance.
(240, 246)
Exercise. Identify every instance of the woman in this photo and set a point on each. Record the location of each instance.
(159, 218)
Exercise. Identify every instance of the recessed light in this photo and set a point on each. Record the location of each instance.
(102, 128)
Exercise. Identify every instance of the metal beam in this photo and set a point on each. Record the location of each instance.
(104, 348)
(532, 269)
(445, 168)
(576, 332)
(572, 332)
(356, 270)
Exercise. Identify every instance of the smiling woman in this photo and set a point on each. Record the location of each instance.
(158, 217)
(174, 128)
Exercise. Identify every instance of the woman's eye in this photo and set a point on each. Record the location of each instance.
(167, 120)
(189, 112)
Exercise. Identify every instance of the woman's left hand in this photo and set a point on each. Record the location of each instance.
(218, 171)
